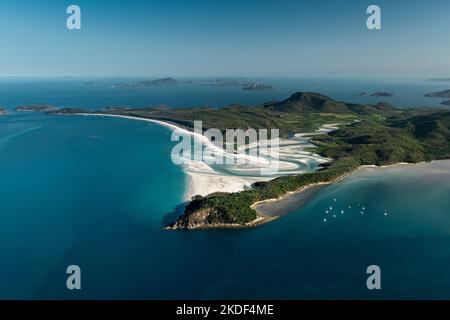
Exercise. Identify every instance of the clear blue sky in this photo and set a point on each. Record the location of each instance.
(224, 38)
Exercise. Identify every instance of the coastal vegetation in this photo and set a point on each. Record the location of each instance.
(383, 135)
(375, 140)
(414, 140)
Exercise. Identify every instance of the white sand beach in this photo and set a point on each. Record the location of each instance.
(204, 179)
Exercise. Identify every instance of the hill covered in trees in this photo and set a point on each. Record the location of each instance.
(382, 135)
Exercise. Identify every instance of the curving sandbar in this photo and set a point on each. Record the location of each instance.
(204, 179)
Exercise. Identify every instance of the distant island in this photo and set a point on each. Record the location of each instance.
(148, 83)
(382, 94)
(220, 82)
(377, 94)
(439, 94)
(89, 84)
(35, 108)
(438, 80)
(254, 86)
(383, 135)
(446, 103)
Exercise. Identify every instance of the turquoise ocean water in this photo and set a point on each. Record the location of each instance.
(95, 192)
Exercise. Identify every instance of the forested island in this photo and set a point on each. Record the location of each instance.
(35, 108)
(383, 135)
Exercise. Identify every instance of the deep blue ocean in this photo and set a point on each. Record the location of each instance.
(96, 192)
